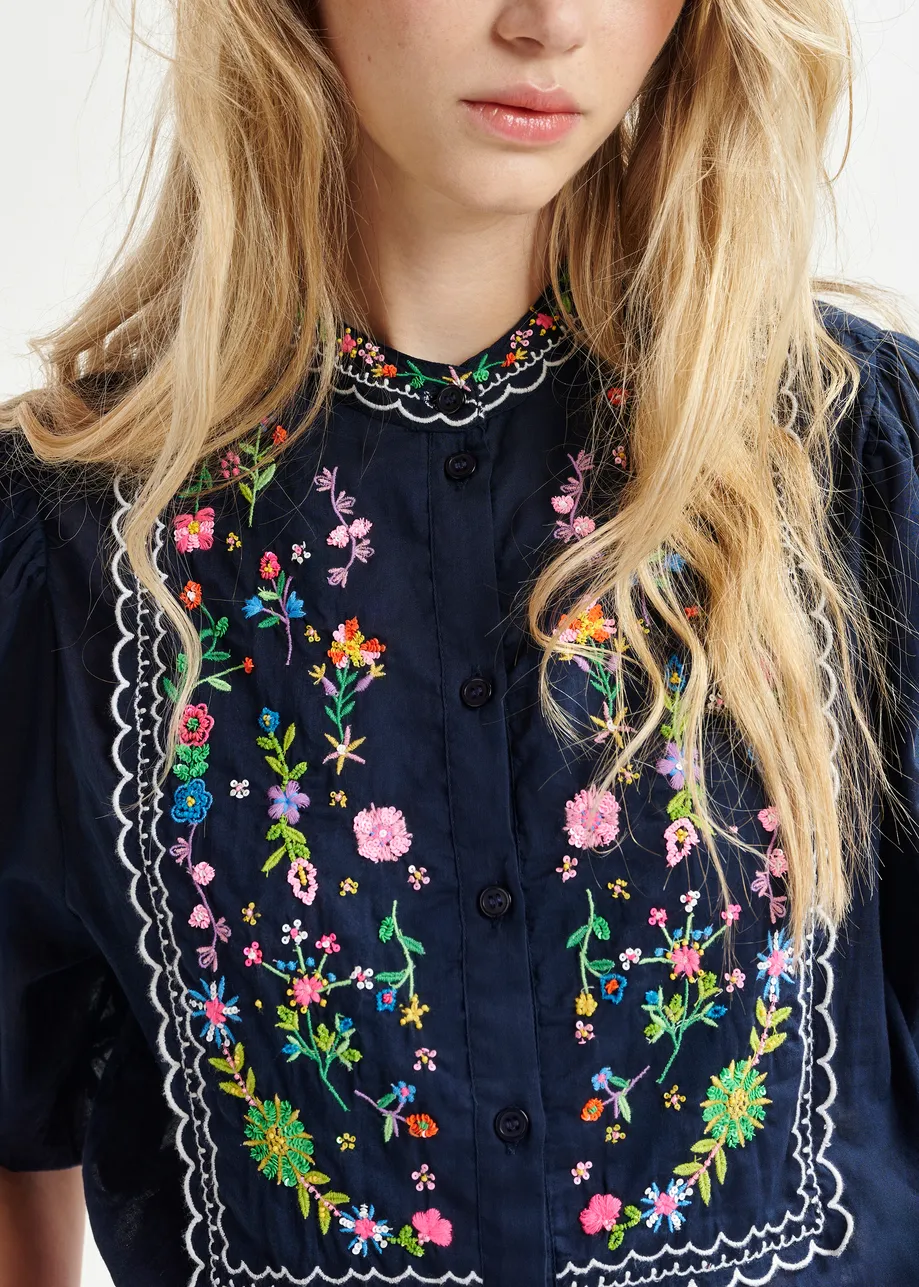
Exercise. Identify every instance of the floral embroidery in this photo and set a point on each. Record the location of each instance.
(249, 914)
(426, 1226)
(572, 526)
(592, 819)
(209, 1004)
(568, 868)
(617, 1091)
(194, 531)
(736, 979)
(424, 1059)
(418, 876)
(381, 833)
(255, 475)
(233, 541)
(209, 635)
(583, 1032)
(345, 1141)
(581, 1171)
(666, 1205)
(614, 1133)
(366, 1230)
(286, 802)
(605, 1213)
(619, 888)
(776, 963)
(775, 864)
(339, 798)
(426, 1179)
(673, 1099)
(350, 653)
(394, 981)
(351, 533)
(611, 985)
(347, 886)
(299, 552)
(420, 1125)
(289, 608)
(239, 790)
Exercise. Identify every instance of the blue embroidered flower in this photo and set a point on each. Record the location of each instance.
(268, 720)
(386, 999)
(717, 1012)
(252, 607)
(600, 1081)
(214, 1010)
(666, 1205)
(343, 1023)
(403, 1092)
(294, 605)
(192, 801)
(366, 1229)
(776, 963)
(612, 986)
(675, 677)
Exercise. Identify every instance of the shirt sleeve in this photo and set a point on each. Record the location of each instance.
(886, 516)
(54, 987)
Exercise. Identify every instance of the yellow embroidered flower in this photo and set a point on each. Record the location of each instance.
(585, 1004)
(347, 886)
(345, 1141)
(249, 914)
(317, 673)
(233, 541)
(412, 1012)
(614, 1133)
(312, 634)
(627, 774)
(673, 1099)
(619, 888)
(337, 797)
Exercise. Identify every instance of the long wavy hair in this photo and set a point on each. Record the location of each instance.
(686, 239)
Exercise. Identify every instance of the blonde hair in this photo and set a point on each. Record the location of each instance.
(686, 239)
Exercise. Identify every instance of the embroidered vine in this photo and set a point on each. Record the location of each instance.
(351, 654)
(391, 1105)
(394, 981)
(286, 802)
(775, 865)
(210, 635)
(616, 1091)
(572, 526)
(611, 985)
(350, 533)
(289, 606)
(257, 472)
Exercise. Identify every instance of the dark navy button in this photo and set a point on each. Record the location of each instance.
(511, 1124)
(449, 399)
(475, 692)
(494, 901)
(460, 465)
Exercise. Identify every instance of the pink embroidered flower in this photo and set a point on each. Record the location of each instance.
(301, 877)
(199, 918)
(430, 1226)
(592, 819)
(732, 914)
(381, 834)
(202, 873)
(658, 916)
(346, 344)
(601, 1212)
(229, 464)
(299, 552)
(778, 863)
(338, 537)
(359, 528)
(681, 837)
(583, 526)
(769, 817)
(194, 531)
(328, 944)
(425, 1059)
(269, 567)
(568, 869)
(253, 954)
(689, 899)
(581, 1171)
(425, 1177)
(305, 990)
(196, 724)
(736, 979)
(685, 960)
(583, 1032)
(418, 876)
(288, 801)
(563, 504)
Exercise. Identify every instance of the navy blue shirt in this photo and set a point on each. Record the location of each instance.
(375, 986)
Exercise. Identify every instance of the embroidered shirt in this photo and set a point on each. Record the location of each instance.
(376, 987)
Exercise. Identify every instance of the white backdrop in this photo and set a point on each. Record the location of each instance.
(69, 171)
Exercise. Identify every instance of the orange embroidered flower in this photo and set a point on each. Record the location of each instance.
(191, 595)
(350, 646)
(421, 1125)
(593, 626)
(248, 665)
(592, 1110)
(389, 370)
(279, 435)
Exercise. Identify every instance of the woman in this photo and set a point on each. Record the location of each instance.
(458, 811)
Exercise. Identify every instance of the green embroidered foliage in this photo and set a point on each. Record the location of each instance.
(628, 1220)
(191, 761)
(407, 1238)
(293, 842)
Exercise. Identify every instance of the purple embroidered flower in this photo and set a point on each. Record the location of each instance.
(288, 801)
(672, 766)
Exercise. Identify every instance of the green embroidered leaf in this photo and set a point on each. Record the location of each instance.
(220, 684)
(387, 1130)
(336, 1198)
(317, 1177)
(216, 654)
(654, 1032)
(324, 1038)
(704, 1185)
(245, 488)
(276, 829)
(619, 1082)
(773, 1042)
(289, 737)
(412, 945)
(762, 1015)
(754, 1041)
(239, 1056)
(686, 1168)
(303, 1201)
(250, 1081)
(349, 1055)
(233, 1088)
(181, 663)
(632, 1217)
(625, 1112)
(266, 743)
(721, 1165)
(265, 477)
(170, 689)
(578, 936)
(274, 763)
(267, 622)
(281, 580)
(386, 1100)
(704, 1146)
(603, 966)
(290, 1019)
(331, 714)
(347, 709)
(325, 1216)
(273, 859)
(617, 1233)
(299, 768)
(221, 626)
(407, 1239)
(600, 927)
(387, 929)
(391, 976)
(221, 1065)
(781, 1015)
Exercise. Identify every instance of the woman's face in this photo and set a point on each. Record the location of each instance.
(413, 68)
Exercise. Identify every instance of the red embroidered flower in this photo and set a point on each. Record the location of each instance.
(248, 665)
(196, 725)
(191, 595)
(592, 1110)
(279, 435)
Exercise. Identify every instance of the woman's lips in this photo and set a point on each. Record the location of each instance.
(520, 123)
